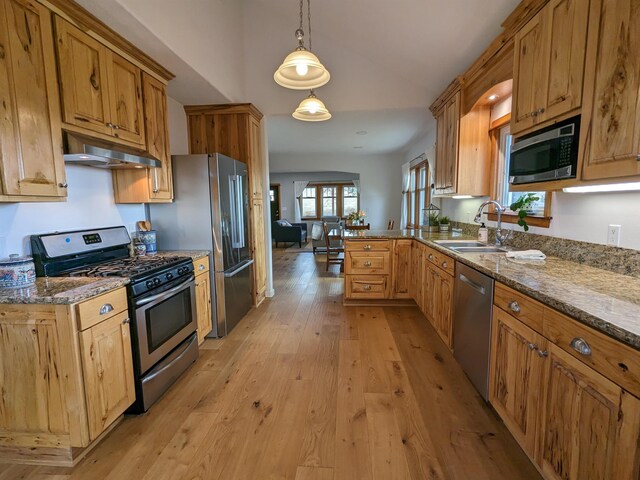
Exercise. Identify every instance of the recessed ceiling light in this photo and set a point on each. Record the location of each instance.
(361, 132)
(358, 148)
(492, 97)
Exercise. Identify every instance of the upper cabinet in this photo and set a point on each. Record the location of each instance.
(101, 91)
(31, 163)
(463, 147)
(610, 132)
(549, 64)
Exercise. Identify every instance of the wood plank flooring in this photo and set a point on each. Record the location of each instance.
(307, 389)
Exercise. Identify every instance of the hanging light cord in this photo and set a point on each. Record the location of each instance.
(309, 20)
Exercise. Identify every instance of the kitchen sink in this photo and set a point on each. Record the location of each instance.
(469, 246)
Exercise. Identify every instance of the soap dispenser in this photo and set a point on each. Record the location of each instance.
(483, 234)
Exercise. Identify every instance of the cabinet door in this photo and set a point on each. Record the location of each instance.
(566, 34)
(441, 149)
(529, 82)
(401, 269)
(452, 125)
(31, 160)
(259, 262)
(157, 134)
(591, 425)
(108, 372)
(125, 100)
(442, 317)
(82, 63)
(610, 130)
(517, 378)
(203, 305)
(255, 160)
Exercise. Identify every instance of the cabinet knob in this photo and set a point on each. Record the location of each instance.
(581, 346)
(366, 287)
(201, 267)
(542, 353)
(110, 125)
(117, 127)
(155, 190)
(367, 263)
(444, 264)
(430, 257)
(63, 185)
(367, 247)
(106, 308)
(126, 321)
(532, 346)
(514, 307)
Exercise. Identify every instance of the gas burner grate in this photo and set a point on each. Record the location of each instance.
(126, 267)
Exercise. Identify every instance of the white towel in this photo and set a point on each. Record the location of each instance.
(527, 255)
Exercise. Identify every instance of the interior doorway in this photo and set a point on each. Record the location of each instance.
(274, 197)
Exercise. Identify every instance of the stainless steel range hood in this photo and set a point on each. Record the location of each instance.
(79, 150)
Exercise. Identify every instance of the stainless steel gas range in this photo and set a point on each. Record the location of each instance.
(161, 296)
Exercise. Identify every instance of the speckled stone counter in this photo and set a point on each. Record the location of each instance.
(607, 301)
(61, 290)
(194, 254)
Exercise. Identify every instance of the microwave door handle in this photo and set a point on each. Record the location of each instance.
(543, 137)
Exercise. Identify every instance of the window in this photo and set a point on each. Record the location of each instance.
(418, 194)
(272, 195)
(329, 199)
(309, 204)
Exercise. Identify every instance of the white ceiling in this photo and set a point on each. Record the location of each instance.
(388, 59)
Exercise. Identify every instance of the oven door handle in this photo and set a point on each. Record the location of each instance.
(184, 349)
(166, 293)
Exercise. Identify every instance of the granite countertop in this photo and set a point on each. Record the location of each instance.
(194, 254)
(61, 290)
(607, 301)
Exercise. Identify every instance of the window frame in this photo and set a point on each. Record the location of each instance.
(339, 186)
(302, 198)
(413, 195)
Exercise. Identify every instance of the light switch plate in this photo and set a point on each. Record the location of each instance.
(613, 235)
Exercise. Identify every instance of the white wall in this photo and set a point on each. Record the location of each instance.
(178, 133)
(90, 204)
(380, 179)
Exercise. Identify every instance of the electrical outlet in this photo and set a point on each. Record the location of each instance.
(613, 235)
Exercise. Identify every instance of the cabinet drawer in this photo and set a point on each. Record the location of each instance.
(367, 286)
(368, 245)
(525, 309)
(616, 361)
(368, 263)
(201, 265)
(101, 308)
(440, 260)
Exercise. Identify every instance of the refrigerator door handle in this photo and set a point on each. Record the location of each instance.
(240, 212)
(233, 194)
(239, 269)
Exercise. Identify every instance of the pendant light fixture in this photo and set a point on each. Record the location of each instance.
(301, 69)
(311, 109)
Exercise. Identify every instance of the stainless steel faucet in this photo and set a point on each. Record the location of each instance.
(500, 238)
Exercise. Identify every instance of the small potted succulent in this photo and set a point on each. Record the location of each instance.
(444, 223)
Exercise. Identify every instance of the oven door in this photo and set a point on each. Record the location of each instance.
(164, 320)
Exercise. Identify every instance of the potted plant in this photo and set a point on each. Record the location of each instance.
(434, 223)
(356, 217)
(444, 223)
(522, 207)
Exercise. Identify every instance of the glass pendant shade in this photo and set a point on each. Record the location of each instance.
(301, 70)
(311, 109)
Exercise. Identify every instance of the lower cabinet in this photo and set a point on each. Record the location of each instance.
(368, 269)
(107, 371)
(258, 247)
(401, 271)
(573, 422)
(436, 301)
(203, 298)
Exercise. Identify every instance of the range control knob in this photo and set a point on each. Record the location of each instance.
(149, 284)
(156, 281)
(169, 276)
(182, 270)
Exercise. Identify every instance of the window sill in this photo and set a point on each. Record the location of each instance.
(542, 222)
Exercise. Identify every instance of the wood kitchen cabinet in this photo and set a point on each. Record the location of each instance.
(101, 91)
(463, 147)
(417, 255)
(401, 269)
(149, 185)
(367, 269)
(571, 420)
(549, 65)
(235, 130)
(609, 135)
(203, 298)
(70, 371)
(438, 301)
(31, 162)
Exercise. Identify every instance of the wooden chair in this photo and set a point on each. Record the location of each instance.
(338, 259)
(391, 224)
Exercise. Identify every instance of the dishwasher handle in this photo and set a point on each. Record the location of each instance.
(479, 288)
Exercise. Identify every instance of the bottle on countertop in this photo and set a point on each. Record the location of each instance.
(483, 234)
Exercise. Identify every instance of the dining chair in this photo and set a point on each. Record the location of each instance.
(391, 224)
(337, 252)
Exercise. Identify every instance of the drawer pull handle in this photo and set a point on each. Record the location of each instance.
(532, 346)
(366, 287)
(63, 185)
(126, 321)
(367, 247)
(444, 264)
(201, 267)
(430, 257)
(514, 307)
(542, 353)
(581, 346)
(106, 308)
(367, 263)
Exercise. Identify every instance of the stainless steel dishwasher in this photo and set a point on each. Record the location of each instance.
(472, 325)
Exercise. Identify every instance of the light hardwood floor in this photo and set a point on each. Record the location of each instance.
(307, 389)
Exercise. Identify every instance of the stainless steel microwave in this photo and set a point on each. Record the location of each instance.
(548, 154)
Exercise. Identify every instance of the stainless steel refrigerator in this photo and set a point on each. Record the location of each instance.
(211, 212)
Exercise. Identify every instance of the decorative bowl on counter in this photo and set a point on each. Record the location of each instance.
(17, 271)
